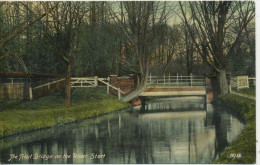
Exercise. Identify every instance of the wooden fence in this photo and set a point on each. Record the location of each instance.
(24, 90)
(241, 82)
(14, 91)
(85, 82)
(46, 89)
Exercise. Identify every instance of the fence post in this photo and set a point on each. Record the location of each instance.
(230, 88)
(169, 79)
(80, 81)
(191, 79)
(164, 78)
(247, 82)
(177, 79)
(237, 82)
(96, 81)
(181, 80)
(12, 79)
(108, 85)
(118, 93)
(150, 77)
(30, 93)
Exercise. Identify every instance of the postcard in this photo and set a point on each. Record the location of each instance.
(127, 82)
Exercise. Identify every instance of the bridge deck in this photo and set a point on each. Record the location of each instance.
(180, 91)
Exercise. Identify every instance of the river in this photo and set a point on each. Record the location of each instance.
(172, 130)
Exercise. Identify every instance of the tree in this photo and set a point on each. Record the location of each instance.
(67, 20)
(189, 48)
(168, 40)
(19, 19)
(213, 24)
(16, 30)
(138, 21)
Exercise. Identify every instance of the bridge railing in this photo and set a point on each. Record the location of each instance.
(177, 81)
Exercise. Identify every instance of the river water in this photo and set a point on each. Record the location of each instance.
(172, 130)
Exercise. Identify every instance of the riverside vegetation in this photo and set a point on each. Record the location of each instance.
(21, 116)
(247, 91)
(245, 144)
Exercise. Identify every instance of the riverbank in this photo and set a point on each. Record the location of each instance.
(247, 91)
(22, 116)
(243, 150)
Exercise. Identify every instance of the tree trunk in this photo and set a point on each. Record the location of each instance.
(222, 80)
(138, 90)
(68, 87)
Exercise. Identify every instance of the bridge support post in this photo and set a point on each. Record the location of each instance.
(143, 103)
(206, 102)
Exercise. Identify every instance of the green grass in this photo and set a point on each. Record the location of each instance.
(20, 116)
(247, 91)
(245, 144)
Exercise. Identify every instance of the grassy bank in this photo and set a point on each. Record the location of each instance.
(245, 144)
(21, 116)
(247, 91)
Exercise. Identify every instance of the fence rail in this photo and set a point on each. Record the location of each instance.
(93, 82)
(45, 88)
(178, 80)
(84, 82)
(24, 80)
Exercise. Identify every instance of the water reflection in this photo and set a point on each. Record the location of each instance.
(174, 136)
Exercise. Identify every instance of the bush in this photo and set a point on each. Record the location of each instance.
(246, 142)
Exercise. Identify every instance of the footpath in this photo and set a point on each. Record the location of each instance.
(243, 95)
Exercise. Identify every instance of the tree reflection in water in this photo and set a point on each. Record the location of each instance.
(170, 131)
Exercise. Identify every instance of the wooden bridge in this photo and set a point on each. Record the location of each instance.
(175, 86)
(157, 85)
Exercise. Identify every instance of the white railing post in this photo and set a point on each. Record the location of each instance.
(169, 79)
(150, 77)
(96, 81)
(177, 79)
(81, 82)
(237, 82)
(119, 94)
(181, 80)
(164, 78)
(30, 93)
(247, 81)
(191, 79)
(12, 80)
